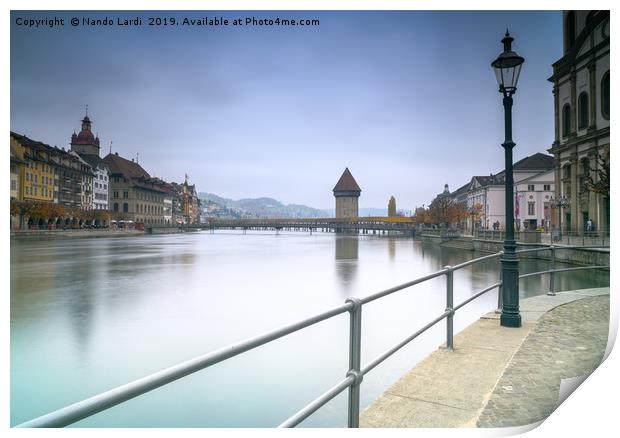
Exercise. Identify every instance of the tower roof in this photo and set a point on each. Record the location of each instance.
(347, 182)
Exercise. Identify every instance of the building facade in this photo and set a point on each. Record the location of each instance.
(75, 180)
(38, 177)
(581, 89)
(533, 195)
(347, 193)
(485, 195)
(134, 195)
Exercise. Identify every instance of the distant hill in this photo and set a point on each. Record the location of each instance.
(257, 207)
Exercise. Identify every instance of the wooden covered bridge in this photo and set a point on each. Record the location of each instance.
(365, 225)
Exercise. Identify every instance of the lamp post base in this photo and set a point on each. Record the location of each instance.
(510, 316)
(510, 320)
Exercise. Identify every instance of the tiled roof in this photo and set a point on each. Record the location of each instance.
(538, 161)
(461, 190)
(347, 182)
(489, 180)
(25, 141)
(129, 169)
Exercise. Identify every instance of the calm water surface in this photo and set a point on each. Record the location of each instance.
(91, 314)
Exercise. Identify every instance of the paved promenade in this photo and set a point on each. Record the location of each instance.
(499, 377)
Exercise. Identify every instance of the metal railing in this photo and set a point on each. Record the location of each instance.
(354, 375)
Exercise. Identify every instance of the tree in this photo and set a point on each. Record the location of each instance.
(421, 216)
(392, 207)
(442, 210)
(600, 184)
(475, 212)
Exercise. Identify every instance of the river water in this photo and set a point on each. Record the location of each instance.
(91, 314)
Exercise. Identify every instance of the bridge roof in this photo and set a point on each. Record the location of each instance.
(347, 182)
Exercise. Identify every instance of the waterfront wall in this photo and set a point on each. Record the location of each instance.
(599, 257)
(42, 234)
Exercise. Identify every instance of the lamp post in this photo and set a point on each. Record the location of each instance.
(560, 203)
(507, 67)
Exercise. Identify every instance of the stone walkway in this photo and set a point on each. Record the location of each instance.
(499, 376)
(568, 341)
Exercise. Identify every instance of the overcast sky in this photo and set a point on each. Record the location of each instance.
(406, 100)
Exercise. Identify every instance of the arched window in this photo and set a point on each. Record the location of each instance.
(584, 111)
(116, 206)
(569, 30)
(605, 95)
(566, 120)
(125, 207)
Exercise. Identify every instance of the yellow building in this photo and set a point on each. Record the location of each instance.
(36, 181)
(17, 169)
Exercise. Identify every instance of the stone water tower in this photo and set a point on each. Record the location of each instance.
(347, 193)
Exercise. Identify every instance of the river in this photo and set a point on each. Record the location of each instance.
(91, 314)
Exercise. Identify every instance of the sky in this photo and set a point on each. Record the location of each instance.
(406, 100)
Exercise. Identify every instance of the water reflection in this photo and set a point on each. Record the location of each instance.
(347, 248)
(392, 249)
(90, 314)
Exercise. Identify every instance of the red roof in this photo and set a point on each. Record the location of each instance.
(347, 182)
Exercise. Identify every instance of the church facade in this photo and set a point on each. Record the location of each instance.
(581, 84)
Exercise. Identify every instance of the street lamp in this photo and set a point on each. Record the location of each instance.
(507, 67)
(560, 203)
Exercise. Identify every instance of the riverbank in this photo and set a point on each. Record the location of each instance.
(45, 234)
(497, 376)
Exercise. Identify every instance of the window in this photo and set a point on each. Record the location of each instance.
(531, 208)
(13, 184)
(566, 120)
(115, 194)
(567, 171)
(585, 167)
(530, 187)
(125, 194)
(584, 111)
(116, 206)
(605, 95)
(547, 187)
(125, 207)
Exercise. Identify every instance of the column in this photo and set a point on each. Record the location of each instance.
(592, 95)
(575, 210)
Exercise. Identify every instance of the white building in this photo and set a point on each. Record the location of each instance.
(100, 182)
(532, 201)
(581, 85)
(531, 178)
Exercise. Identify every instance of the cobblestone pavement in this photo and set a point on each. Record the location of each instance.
(568, 341)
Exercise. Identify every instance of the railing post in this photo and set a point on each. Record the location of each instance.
(355, 358)
(450, 307)
(552, 273)
(500, 301)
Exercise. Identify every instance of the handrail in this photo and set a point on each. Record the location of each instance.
(90, 406)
